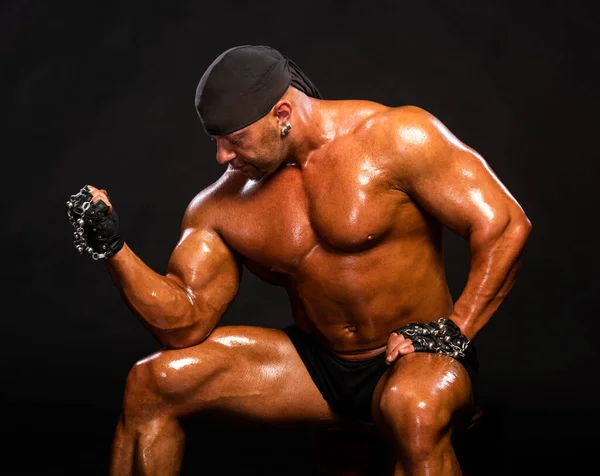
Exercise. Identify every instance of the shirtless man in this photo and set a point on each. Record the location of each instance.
(343, 203)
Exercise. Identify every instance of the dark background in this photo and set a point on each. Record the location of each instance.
(102, 93)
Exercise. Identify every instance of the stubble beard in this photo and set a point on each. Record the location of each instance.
(254, 173)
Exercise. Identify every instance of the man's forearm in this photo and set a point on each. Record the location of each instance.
(162, 305)
(495, 261)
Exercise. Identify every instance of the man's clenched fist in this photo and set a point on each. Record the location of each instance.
(96, 223)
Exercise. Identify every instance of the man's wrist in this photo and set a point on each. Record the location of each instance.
(463, 325)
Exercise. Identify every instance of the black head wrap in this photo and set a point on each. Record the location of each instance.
(243, 84)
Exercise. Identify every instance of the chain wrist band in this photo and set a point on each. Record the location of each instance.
(83, 214)
(442, 337)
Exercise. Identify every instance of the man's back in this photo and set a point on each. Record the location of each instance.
(356, 254)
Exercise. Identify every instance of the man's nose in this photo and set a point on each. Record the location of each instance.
(224, 153)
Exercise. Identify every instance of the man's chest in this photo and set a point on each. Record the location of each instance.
(339, 206)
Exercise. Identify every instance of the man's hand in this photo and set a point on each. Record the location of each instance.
(397, 346)
(441, 337)
(100, 194)
(96, 223)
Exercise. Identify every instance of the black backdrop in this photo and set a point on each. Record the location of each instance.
(102, 93)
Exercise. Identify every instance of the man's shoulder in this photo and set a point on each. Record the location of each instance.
(402, 137)
(360, 107)
(403, 115)
(205, 204)
(376, 118)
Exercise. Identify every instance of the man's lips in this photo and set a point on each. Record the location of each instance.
(246, 169)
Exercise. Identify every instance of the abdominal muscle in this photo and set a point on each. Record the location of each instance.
(353, 311)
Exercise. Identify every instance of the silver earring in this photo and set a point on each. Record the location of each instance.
(285, 129)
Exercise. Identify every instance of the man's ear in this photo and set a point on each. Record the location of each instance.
(283, 111)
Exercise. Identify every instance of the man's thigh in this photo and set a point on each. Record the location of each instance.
(252, 372)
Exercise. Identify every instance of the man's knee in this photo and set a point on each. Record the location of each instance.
(141, 386)
(169, 377)
(417, 419)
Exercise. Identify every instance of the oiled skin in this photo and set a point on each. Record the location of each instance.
(351, 225)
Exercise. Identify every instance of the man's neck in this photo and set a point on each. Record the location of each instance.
(313, 127)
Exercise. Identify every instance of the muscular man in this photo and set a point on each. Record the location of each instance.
(343, 203)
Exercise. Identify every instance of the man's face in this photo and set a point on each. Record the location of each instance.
(255, 150)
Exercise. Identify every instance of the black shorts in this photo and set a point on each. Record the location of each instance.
(348, 386)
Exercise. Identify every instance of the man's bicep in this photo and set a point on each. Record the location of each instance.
(204, 265)
(450, 180)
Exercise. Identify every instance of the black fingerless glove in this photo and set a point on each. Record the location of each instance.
(96, 230)
(442, 337)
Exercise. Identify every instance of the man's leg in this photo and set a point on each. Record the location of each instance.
(417, 404)
(248, 371)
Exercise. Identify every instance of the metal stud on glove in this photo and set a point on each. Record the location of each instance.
(442, 337)
(95, 229)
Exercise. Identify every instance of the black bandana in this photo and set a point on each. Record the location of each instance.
(243, 84)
